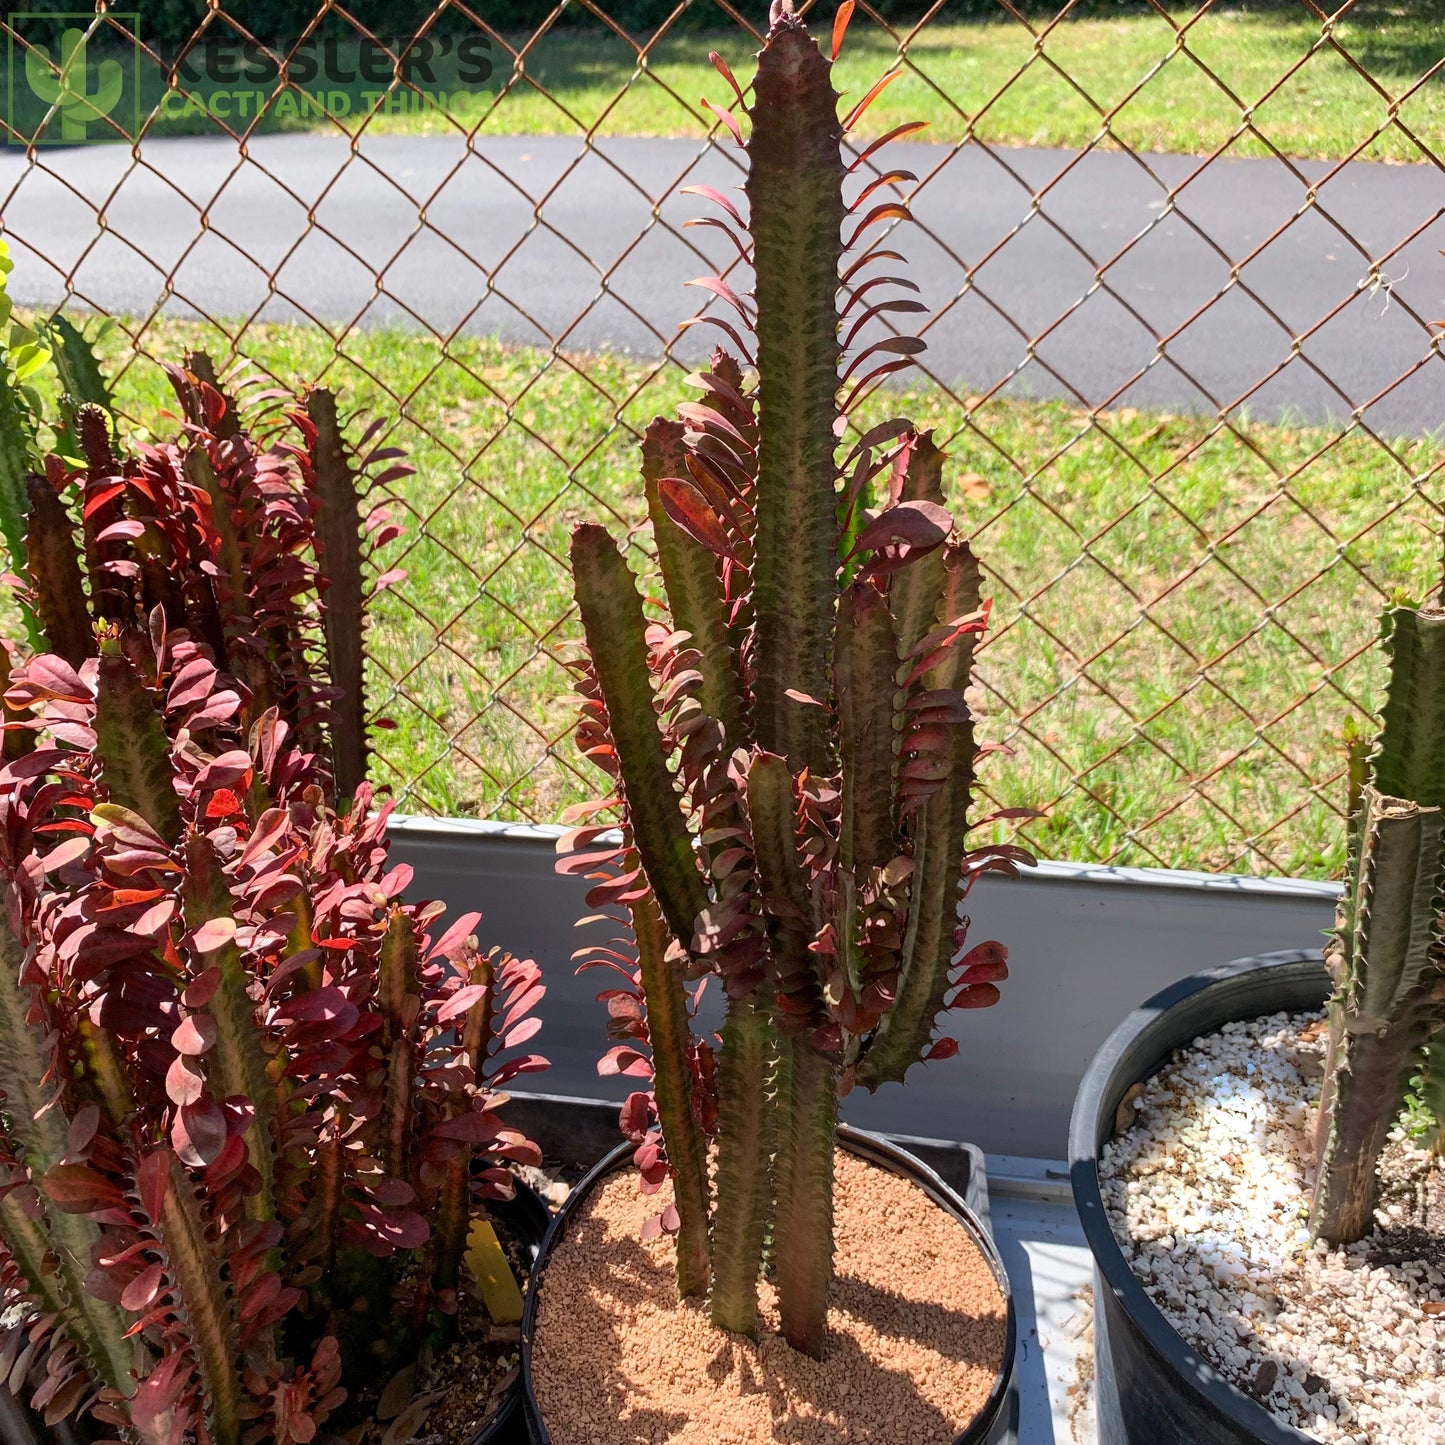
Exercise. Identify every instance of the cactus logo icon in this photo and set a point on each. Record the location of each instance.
(75, 84)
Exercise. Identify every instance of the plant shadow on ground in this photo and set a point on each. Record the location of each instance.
(1183, 613)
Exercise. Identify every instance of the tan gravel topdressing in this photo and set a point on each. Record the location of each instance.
(916, 1324)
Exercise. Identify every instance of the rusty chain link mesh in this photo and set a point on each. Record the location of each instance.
(1184, 609)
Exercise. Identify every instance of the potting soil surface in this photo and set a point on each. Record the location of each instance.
(1207, 1187)
(916, 1332)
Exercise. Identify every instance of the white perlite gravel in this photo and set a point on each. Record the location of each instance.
(1208, 1194)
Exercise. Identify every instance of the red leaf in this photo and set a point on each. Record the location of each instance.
(725, 70)
(980, 995)
(319, 1005)
(153, 1181)
(82, 1129)
(622, 1060)
(636, 1116)
(724, 292)
(450, 943)
(897, 133)
(982, 953)
(199, 1133)
(521, 1033)
(183, 1084)
(195, 1035)
(689, 509)
(63, 854)
(223, 804)
(473, 1127)
(461, 1001)
(840, 25)
(398, 1231)
(101, 493)
(393, 1192)
(941, 1049)
(230, 767)
(78, 1189)
(127, 529)
(51, 676)
(994, 971)
(879, 86)
(512, 1068)
(915, 524)
(397, 880)
(727, 118)
(139, 1293)
(202, 989)
(155, 918)
(193, 683)
(523, 1002)
(155, 1409)
(714, 195)
(211, 935)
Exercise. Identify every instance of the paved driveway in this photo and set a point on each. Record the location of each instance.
(520, 238)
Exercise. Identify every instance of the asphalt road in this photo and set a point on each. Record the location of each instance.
(509, 241)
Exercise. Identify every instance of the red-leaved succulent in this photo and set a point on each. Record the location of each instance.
(250, 1092)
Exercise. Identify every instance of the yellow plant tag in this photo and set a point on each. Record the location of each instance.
(493, 1275)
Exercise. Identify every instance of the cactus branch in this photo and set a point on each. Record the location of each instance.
(1409, 758)
(803, 1229)
(795, 192)
(743, 1182)
(131, 743)
(169, 1198)
(54, 570)
(865, 659)
(612, 618)
(338, 539)
(52, 1251)
(670, 1034)
(691, 576)
(237, 1065)
(940, 832)
(1389, 997)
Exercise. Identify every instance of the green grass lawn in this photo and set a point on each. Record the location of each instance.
(1166, 608)
(988, 74)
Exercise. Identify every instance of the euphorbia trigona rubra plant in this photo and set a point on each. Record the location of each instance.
(254, 547)
(249, 1093)
(789, 734)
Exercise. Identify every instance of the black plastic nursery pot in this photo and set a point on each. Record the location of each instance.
(527, 1219)
(1151, 1387)
(996, 1423)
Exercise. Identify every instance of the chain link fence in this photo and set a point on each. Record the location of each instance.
(1180, 350)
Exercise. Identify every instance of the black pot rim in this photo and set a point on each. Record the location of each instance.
(872, 1147)
(1111, 1268)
